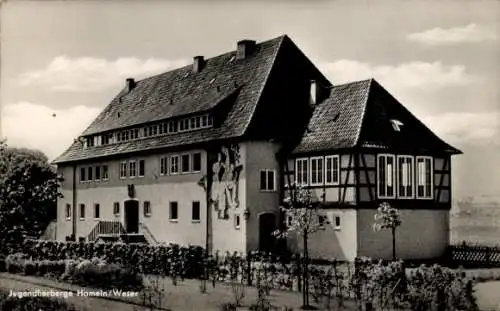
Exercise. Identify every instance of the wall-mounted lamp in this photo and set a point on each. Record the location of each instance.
(246, 213)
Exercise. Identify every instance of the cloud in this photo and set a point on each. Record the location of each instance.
(421, 75)
(466, 127)
(87, 74)
(471, 33)
(33, 126)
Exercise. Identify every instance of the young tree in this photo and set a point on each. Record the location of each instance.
(304, 220)
(388, 218)
(28, 192)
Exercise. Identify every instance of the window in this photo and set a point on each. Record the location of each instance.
(172, 127)
(337, 223)
(82, 211)
(174, 165)
(316, 171)
(192, 123)
(173, 215)
(90, 170)
(97, 211)
(424, 177)
(236, 221)
(332, 171)
(321, 220)
(142, 168)
(82, 174)
(132, 169)
(385, 177)
(301, 171)
(147, 208)
(405, 177)
(185, 163)
(90, 141)
(116, 208)
(68, 211)
(195, 211)
(163, 165)
(97, 173)
(210, 121)
(123, 170)
(204, 121)
(196, 162)
(105, 172)
(267, 180)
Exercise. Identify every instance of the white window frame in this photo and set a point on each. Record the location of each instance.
(266, 188)
(123, 170)
(182, 163)
(410, 178)
(335, 227)
(237, 226)
(97, 206)
(164, 162)
(170, 165)
(306, 161)
(199, 212)
(134, 162)
(335, 176)
(192, 162)
(105, 177)
(146, 206)
(139, 168)
(393, 179)
(80, 211)
(430, 195)
(68, 211)
(319, 174)
(170, 211)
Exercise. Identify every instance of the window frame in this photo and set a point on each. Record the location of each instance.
(188, 156)
(164, 166)
(266, 188)
(90, 173)
(302, 160)
(83, 177)
(318, 173)
(68, 211)
(171, 205)
(334, 175)
(81, 208)
(393, 175)
(172, 172)
(335, 226)
(430, 195)
(116, 208)
(130, 164)
(142, 163)
(193, 204)
(105, 176)
(146, 208)
(237, 221)
(97, 169)
(193, 170)
(97, 208)
(123, 168)
(411, 178)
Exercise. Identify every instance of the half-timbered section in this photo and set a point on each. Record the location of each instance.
(362, 148)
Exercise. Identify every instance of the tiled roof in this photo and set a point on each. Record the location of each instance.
(181, 92)
(336, 121)
(360, 114)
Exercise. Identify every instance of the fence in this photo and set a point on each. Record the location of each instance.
(474, 255)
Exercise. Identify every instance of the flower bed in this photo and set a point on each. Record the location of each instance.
(94, 273)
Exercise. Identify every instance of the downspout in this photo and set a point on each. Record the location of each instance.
(208, 232)
(74, 203)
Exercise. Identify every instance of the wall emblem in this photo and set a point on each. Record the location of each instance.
(225, 173)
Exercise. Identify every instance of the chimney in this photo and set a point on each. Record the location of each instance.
(198, 64)
(245, 48)
(317, 92)
(130, 84)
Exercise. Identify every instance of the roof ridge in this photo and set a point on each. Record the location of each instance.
(353, 82)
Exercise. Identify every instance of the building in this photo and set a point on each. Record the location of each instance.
(202, 155)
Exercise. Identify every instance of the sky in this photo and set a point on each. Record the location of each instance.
(63, 61)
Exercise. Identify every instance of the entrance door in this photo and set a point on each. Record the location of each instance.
(132, 216)
(267, 225)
